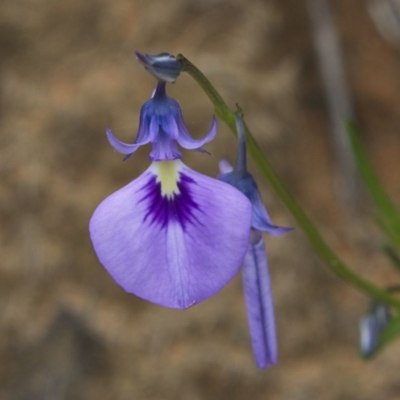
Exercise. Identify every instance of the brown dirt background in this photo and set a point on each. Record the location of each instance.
(67, 70)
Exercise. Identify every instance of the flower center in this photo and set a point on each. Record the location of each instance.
(168, 176)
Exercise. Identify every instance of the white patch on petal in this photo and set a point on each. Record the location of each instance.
(167, 173)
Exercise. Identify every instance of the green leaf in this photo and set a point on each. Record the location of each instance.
(389, 230)
(388, 215)
(388, 334)
(393, 256)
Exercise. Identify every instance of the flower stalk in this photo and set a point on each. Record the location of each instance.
(334, 263)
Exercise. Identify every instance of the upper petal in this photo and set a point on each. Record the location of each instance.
(261, 220)
(184, 138)
(144, 135)
(121, 147)
(164, 148)
(245, 183)
(172, 236)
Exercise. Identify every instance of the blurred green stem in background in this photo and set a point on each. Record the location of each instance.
(334, 263)
(388, 217)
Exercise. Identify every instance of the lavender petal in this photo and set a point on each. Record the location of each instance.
(259, 303)
(166, 235)
(186, 141)
(121, 147)
(261, 220)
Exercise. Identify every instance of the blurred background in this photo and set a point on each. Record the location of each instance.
(67, 70)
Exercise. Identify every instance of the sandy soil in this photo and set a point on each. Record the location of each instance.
(67, 70)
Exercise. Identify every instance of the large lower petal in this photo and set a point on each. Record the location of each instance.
(172, 236)
(259, 303)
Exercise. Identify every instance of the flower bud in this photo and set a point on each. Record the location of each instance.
(163, 66)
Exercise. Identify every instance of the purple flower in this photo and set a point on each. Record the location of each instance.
(162, 125)
(371, 326)
(256, 280)
(172, 236)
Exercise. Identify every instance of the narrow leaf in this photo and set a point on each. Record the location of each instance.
(388, 334)
(389, 230)
(389, 217)
(393, 255)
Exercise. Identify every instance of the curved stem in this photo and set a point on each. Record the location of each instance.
(335, 264)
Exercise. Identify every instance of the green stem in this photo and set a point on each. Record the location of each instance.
(334, 263)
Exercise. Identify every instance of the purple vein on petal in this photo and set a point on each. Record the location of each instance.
(176, 206)
(162, 210)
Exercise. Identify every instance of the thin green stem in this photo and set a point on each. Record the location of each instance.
(335, 264)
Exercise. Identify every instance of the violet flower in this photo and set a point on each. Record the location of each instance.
(172, 236)
(162, 125)
(371, 326)
(256, 280)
